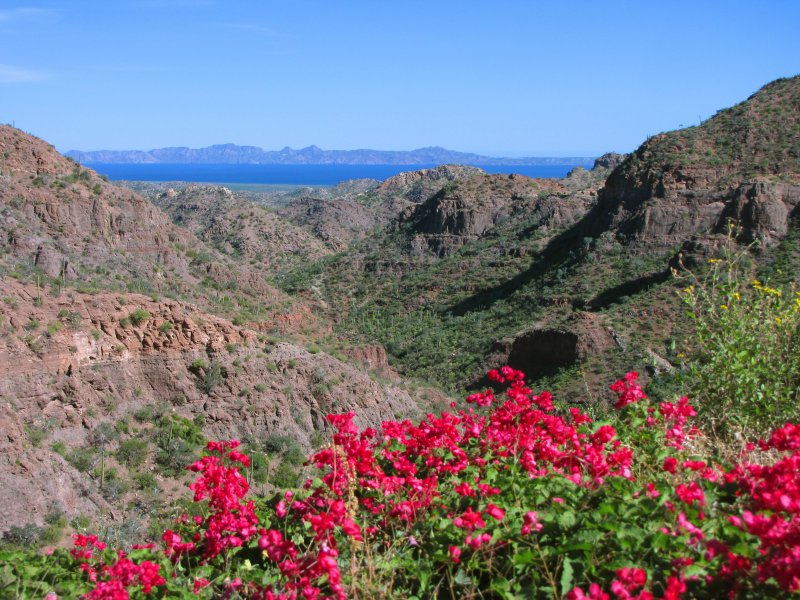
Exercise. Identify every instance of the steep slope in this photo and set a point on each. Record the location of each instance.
(76, 365)
(340, 217)
(63, 226)
(402, 288)
(464, 211)
(336, 222)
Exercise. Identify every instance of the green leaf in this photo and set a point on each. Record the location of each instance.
(524, 558)
(566, 576)
(424, 577)
(567, 519)
(462, 578)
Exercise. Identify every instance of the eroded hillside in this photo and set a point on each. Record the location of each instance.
(106, 392)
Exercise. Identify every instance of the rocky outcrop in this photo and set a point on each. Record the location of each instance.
(336, 222)
(341, 219)
(543, 349)
(418, 186)
(737, 166)
(64, 226)
(64, 218)
(240, 228)
(373, 357)
(580, 178)
(466, 210)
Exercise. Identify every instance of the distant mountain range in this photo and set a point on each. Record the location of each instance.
(312, 155)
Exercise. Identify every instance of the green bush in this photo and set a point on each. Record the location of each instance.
(24, 535)
(212, 378)
(198, 364)
(83, 459)
(132, 452)
(744, 373)
(146, 482)
(139, 316)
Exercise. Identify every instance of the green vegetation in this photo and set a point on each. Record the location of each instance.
(132, 452)
(745, 369)
(139, 316)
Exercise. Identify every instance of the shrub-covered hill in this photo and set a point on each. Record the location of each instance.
(491, 269)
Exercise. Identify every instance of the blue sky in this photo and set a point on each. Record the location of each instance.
(502, 77)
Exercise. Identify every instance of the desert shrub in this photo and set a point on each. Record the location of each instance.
(83, 459)
(23, 535)
(198, 364)
(146, 481)
(744, 371)
(212, 377)
(132, 452)
(37, 433)
(138, 316)
(177, 439)
(54, 327)
(70, 317)
(173, 455)
(114, 488)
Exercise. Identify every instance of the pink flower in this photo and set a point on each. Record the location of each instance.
(455, 553)
(495, 512)
(199, 584)
(530, 522)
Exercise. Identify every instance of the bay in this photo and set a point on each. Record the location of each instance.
(312, 175)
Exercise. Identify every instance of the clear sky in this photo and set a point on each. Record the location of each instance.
(498, 77)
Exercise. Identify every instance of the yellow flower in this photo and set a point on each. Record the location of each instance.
(723, 306)
(736, 295)
(713, 260)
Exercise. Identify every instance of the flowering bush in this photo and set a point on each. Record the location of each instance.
(745, 370)
(508, 497)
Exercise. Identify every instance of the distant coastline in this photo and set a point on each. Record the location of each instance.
(312, 155)
(303, 174)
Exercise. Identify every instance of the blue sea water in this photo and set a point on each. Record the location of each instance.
(313, 175)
